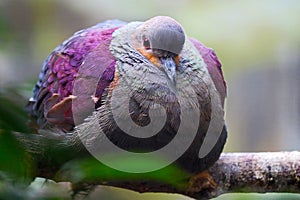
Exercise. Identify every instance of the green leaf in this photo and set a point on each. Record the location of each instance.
(12, 115)
(90, 170)
(15, 165)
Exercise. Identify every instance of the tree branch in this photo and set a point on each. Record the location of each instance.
(233, 172)
(257, 172)
(237, 172)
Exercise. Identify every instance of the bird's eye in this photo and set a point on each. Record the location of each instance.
(146, 43)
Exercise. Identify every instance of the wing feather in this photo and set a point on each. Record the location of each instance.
(54, 89)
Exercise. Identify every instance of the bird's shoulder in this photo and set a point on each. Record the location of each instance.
(214, 67)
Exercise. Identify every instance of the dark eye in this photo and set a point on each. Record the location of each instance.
(146, 43)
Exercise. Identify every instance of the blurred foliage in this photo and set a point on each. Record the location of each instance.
(12, 114)
(90, 169)
(15, 166)
(15, 162)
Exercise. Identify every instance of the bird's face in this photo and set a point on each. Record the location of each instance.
(161, 40)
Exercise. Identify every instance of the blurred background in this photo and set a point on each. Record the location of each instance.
(258, 43)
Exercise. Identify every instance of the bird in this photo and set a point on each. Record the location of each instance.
(156, 63)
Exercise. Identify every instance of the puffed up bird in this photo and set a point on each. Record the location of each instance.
(86, 81)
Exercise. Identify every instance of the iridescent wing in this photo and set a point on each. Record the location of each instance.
(51, 103)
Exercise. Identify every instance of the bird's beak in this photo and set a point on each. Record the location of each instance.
(169, 67)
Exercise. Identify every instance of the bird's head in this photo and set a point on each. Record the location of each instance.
(160, 40)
